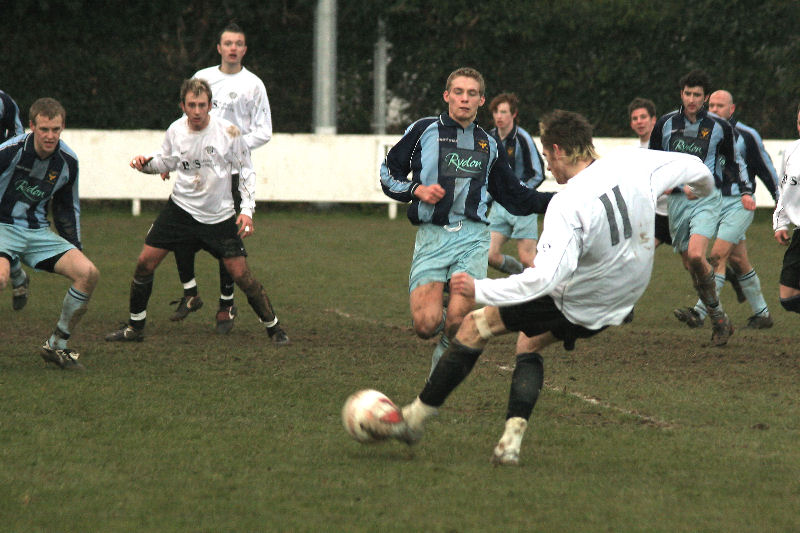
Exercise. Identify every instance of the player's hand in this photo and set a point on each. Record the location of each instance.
(689, 192)
(463, 284)
(245, 224)
(430, 194)
(748, 202)
(164, 176)
(138, 162)
(782, 236)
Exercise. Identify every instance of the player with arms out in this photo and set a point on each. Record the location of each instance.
(204, 150)
(593, 262)
(38, 170)
(456, 168)
(240, 98)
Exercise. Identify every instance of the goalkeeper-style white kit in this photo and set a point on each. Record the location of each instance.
(204, 161)
(595, 254)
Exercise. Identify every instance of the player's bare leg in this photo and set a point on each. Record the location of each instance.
(499, 260)
(704, 281)
(84, 275)
(256, 297)
(430, 318)
(526, 249)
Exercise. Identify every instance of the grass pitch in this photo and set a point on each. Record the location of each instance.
(644, 427)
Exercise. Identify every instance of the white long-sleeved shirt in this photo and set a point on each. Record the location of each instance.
(240, 98)
(204, 161)
(787, 209)
(595, 254)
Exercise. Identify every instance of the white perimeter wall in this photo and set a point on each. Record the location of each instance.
(290, 168)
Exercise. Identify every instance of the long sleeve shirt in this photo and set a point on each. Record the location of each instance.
(711, 139)
(204, 161)
(465, 162)
(28, 185)
(595, 254)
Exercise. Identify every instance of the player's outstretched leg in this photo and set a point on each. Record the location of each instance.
(454, 366)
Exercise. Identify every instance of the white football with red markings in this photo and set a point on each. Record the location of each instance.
(370, 416)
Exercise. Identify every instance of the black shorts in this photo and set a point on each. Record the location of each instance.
(662, 229)
(540, 316)
(790, 271)
(175, 228)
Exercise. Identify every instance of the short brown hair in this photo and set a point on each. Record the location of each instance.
(570, 131)
(49, 107)
(231, 27)
(642, 103)
(468, 73)
(505, 98)
(195, 86)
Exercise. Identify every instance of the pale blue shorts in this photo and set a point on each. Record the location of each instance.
(512, 226)
(32, 246)
(440, 251)
(734, 221)
(693, 217)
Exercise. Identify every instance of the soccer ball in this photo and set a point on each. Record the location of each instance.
(370, 416)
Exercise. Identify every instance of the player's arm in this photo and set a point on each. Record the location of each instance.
(66, 209)
(260, 120)
(556, 260)
(161, 162)
(397, 164)
(682, 170)
(241, 162)
(505, 187)
(759, 163)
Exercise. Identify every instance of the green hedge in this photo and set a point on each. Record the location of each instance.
(121, 67)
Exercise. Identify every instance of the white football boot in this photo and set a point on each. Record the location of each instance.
(506, 453)
(414, 416)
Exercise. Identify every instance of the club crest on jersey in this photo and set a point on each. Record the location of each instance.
(232, 95)
(51, 176)
(483, 146)
(704, 133)
(210, 150)
(510, 152)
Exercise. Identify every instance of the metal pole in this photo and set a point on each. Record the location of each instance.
(325, 67)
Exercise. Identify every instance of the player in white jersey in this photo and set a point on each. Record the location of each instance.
(787, 213)
(205, 150)
(241, 98)
(593, 262)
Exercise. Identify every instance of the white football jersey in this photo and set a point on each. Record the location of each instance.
(240, 98)
(204, 161)
(595, 254)
(787, 210)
